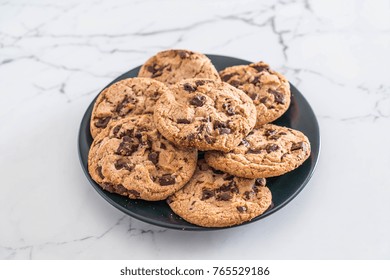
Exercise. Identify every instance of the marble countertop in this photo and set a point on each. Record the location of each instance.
(55, 56)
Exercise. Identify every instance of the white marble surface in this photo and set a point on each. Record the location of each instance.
(55, 56)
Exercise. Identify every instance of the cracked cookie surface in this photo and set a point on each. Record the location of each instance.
(216, 199)
(172, 66)
(269, 90)
(267, 151)
(132, 96)
(205, 114)
(130, 157)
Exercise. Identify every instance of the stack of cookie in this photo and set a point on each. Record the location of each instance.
(200, 139)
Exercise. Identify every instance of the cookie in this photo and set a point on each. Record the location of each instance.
(268, 151)
(216, 199)
(205, 114)
(269, 90)
(132, 96)
(172, 66)
(130, 157)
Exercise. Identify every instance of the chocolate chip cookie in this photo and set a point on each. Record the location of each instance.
(132, 96)
(268, 151)
(269, 90)
(172, 66)
(216, 199)
(205, 114)
(130, 157)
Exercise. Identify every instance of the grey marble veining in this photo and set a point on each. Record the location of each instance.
(55, 56)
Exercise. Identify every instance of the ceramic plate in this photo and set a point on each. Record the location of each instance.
(284, 188)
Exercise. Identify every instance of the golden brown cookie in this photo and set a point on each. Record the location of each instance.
(216, 199)
(127, 97)
(172, 66)
(267, 151)
(205, 114)
(130, 157)
(269, 90)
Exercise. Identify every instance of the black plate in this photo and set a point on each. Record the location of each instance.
(284, 188)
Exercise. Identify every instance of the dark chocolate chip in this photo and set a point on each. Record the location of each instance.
(263, 100)
(183, 121)
(121, 164)
(183, 54)
(223, 130)
(188, 87)
(229, 177)
(259, 68)
(102, 122)
(162, 146)
(253, 96)
(274, 137)
(200, 82)
(126, 148)
(201, 128)
(99, 172)
(158, 73)
(223, 196)
(218, 124)
(166, 180)
(282, 133)
(227, 77)
(230, 187)
(241, 209)
(134, 193)
(127, 139)
(153, 157)
(206, 194)
(256, 80)
(248, 195)
(254, 151)
(271, 148)
(244, 143)
(209, 139)
(138, 135)
(198, 100)
(269, 132)
(120, 189)
(279, 97)
(108, 186)
(191, 137)
(121, 105)
(260, 182)
(298, 146)
(115, 188)
(128, 132)
(229, 110)
(151, 68)
(116, 130)
(235, 83)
